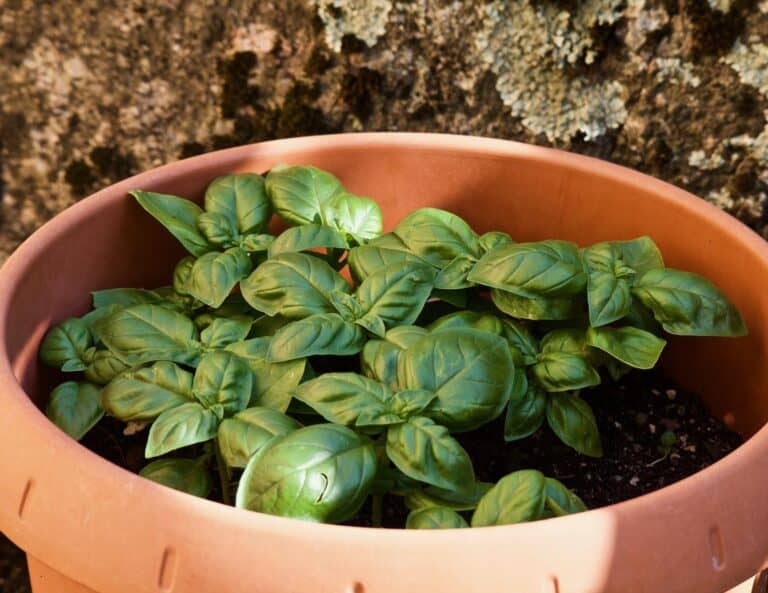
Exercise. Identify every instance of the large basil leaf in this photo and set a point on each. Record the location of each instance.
(379, 357)
(532, 270)
(294, 285)
(218, 229)
(640, 254)
(318, 473)
(632, 346)
(66, 344)
(425, 451)
(104, 367)
(688, 305)
(299, 194)
(437, 236)
(360, 218)
(267, 326)
(368, 259)
(562, 371)
(326, 334)
(536, 309)
(572, 420)
(75, 408)
(242, 198)
(349, 399)
(184, 425)
(517, 497)
(609, 283)
(526, 414)
(306, 237)
(435, 518)
(222, 332)
(215, 274)
(187, 475)
(437, 497)
(224, 379)
(471, 372)
(561, 501)
(273, 381)
(147, 333)
(571, 341)
(397, 293)
(243, 435)
(125, 297)
(146, 393)
(177, 215)
(468, 319)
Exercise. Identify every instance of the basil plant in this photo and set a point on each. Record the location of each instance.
(217, 371)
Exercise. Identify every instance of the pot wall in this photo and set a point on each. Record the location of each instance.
(116, 532)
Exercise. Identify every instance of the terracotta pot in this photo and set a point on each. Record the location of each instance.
(88, 525)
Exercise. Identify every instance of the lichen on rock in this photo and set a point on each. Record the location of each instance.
(365, 19)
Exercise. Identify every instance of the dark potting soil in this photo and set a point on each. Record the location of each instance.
(632, 416)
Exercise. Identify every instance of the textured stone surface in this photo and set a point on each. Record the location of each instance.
(92, 91)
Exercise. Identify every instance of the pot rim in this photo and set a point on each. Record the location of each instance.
(38, 433)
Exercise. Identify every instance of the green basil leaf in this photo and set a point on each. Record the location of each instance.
(609, 283)
(570, 341)
(516, 498)
(242, 198)
(471, 372)
(218, 229)
(437, 236)
(187, 475)
(425, 451)
(411, 402)
(306, 237)
(688, 305)
(75, 408)
(223, 378)
(521, 339)
(562, 371)
(147, 333)
(273, 381)
(468, 319)
(634, 347)
(493, 239)
(373, 324)
(125, 297)
(525, 414)
(294, 285)
(572, 420)
(93, 318)
(435, 518)
(319, 334)
(299, 194)
(536, 309)
(223, 332)
(397, 293)
(367, 259)
(104, 367)
(379, 357)
(455, 298)
(318, 473)
(243, 435)
(256, 243)
(561, 501)
(346, 305)
(146, 393)
(437, 497)
(66, 343)
(454, 275)
(181, 426)
(640, 254)
(360, 218)
(177, 215)
(267, 326)
(349, 399)
(182, 275)
(215, 274)
(641, 317)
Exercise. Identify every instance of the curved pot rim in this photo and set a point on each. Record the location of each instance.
(41, 435)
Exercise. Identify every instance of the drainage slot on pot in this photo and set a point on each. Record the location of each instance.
(716, 548)
(355, 588)
(167, 575)
(25, 497)
(552, 585)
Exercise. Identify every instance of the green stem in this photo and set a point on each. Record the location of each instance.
(223, 472)
(377, 511)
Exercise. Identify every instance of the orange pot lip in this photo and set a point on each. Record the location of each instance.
(39, 432)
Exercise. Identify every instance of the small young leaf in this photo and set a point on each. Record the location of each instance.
(218, 229)
(634, 347)
(75, 408)
(373, 324)
(437, 236)
(325, 334)
(521, 339)
(640, 254)
(146, 393)
(359, 218)
(66, 343)
(435, 518)
(517, 497)
(294, 285)
(526, 414)
(257, 243)
(187, 475)
(561, 371)
(147, 333)
(536, 309)
(182, 275)
(688, 305)
(222, 332)
(223, 378)
(454, 275)
(215, 274)
(493, 239)
(177, 215)
(570, 341)
(242, 199)
(184, 425)
(379, 357)
(125, 297)
(104, 367)
(425, 451)
(411, 402)
(243, 435)
(346, 305)
(437, 497)
(561, 501)
(319, 473)
(609, 282)
(572, 420)
(299, 194)
(306, 237)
